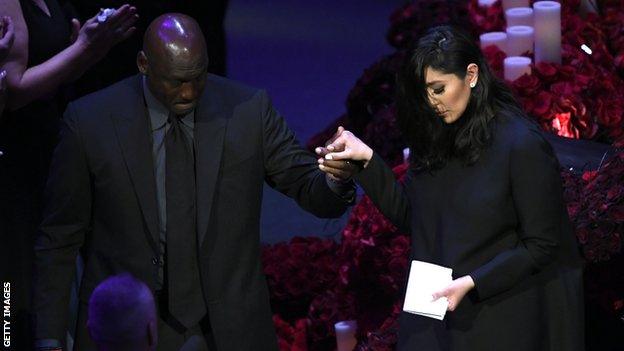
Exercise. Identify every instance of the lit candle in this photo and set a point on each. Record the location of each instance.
(345, 335)
(516, 66)
(547, 21)
(494, 38)
(519, 16)
(519, 40)
(509, 4)
(487, 3)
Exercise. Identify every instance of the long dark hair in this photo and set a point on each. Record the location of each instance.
(432, 142)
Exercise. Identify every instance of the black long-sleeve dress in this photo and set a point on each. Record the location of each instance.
(503, 222)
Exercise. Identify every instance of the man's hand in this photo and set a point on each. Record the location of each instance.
(455, 291)
(336, 170)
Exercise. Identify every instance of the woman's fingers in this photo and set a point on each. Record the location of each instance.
(75, 26)
(342, 155)
(128, 20)
(127, 34)
(438, 294)
(8, 33)
(118, 16)
(338, 144)
(126, 29)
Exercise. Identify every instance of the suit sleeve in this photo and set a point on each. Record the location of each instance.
(538, 200)
(380, 184)
(293, 171)
(66, 217)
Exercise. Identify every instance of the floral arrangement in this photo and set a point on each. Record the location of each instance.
(316, 282)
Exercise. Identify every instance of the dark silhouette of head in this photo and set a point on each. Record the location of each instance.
(122, 315)
(175, 61)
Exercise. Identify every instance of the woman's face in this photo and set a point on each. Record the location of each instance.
(448, 93)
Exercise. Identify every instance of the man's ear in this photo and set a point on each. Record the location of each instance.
(142, 62)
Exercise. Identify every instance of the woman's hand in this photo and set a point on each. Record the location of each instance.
(346, 147)
(7, 36)
(455, 291)
(97, 38)
(343, 155)
(337, 171)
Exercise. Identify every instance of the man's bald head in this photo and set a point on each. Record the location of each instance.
(122, 315)
(175, 61)
(174, 35)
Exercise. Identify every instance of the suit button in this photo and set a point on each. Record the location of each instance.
(154, 261)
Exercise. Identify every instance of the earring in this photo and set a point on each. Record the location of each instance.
(473, 84)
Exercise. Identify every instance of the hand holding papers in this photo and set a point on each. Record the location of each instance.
(425, 279)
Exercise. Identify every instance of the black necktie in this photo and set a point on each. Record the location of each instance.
(186, 302)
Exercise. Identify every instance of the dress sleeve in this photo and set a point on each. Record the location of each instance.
(537, 197)
(380, 184)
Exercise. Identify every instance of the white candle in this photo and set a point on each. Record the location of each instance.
(406, 153)
(516, 66)
(547, 21)
(519, 40)
(519, 16)
(494, 38)
(345, 335)
(509, 4)
(487, 3)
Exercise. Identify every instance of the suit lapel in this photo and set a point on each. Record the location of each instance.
(133, 133)
(210, 126)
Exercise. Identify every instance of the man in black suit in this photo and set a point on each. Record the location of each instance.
(161, 175)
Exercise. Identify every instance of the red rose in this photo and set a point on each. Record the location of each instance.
(546, 71)
(541, 104)
(616, 213)
(526, 85)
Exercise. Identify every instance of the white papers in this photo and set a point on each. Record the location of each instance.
(424, 280)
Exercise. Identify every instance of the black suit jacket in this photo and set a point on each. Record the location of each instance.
(101, 199)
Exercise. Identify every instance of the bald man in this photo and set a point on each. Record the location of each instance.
(122, 315)
(161, 175)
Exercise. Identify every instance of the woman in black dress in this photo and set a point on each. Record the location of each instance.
(483, 196)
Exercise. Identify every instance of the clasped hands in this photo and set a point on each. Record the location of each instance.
(343, 156)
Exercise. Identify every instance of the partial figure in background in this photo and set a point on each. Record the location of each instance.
(7, 35)
(51, 49)
(122, 315)
(483, 196)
